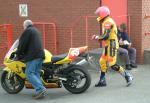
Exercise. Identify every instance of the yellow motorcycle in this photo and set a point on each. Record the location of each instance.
(65, 69)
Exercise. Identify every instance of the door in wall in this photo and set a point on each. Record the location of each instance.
(118, 10)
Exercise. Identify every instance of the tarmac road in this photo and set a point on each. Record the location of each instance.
(115, 92)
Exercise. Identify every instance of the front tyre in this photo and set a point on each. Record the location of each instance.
(11, 83)
(78, 79)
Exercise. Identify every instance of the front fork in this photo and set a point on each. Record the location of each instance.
(10, 75)
(10, 72)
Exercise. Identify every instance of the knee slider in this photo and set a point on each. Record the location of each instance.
(115, 67)
(103, 65)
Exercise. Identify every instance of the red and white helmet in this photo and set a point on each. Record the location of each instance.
(102, 12)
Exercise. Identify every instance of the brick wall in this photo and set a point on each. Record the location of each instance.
(137, 9)
(145, 24)
(65, 14)
(135, 12)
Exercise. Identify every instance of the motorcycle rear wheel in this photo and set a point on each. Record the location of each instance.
(13, 85)
(75, 76)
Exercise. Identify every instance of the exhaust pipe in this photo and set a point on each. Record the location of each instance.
(64, 79)
(81, 62)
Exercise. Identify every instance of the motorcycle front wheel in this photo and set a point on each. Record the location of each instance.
(11, 83)
(78, 79)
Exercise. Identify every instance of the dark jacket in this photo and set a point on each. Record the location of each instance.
(30, 45)
(124, 36)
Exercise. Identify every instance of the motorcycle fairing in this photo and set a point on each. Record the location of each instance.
(72, 55)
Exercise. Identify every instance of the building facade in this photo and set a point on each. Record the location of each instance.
(71, 23)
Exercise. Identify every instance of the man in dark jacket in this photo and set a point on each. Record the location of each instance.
(126, 49)
(30, 50)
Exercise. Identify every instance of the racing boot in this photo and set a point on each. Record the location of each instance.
(126, 75)
(128, 78)
(101, 83)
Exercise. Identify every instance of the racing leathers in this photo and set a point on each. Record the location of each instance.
(109, 55)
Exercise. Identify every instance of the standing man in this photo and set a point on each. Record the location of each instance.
(31, 51)
(109, 36)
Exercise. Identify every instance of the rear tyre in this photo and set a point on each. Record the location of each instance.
(78, 79)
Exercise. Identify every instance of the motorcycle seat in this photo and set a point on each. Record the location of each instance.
(56, 58)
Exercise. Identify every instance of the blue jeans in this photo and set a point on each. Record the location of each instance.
(32, 72)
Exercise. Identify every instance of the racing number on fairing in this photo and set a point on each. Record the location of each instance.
(74, 52)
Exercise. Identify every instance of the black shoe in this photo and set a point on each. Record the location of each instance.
(101, 83)
(129, 79)
(133, 65)
(128, 67)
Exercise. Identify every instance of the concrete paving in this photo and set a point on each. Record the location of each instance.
(115, 92)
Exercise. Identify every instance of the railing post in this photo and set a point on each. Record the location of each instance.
(86, 28)
(54, 40)
(44, 34)
(9, 34)
(71, 36)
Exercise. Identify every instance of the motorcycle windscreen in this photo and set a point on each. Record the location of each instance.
(14, 46)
